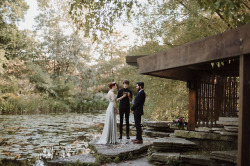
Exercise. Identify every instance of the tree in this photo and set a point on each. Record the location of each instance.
(100, 16)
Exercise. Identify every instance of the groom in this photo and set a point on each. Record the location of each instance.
(137, 109)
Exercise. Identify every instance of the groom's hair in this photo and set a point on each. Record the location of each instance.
(140, 84)
(126, 82)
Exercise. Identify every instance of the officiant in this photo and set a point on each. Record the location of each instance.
(125, 97)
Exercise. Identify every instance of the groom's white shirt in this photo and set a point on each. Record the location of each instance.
(140, 90)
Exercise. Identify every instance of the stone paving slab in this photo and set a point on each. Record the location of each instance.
(125, 146)
(83, 159)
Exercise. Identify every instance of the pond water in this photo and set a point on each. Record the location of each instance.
(47, 136)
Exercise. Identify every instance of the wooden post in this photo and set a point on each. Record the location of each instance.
(191, 106)
(244, 112)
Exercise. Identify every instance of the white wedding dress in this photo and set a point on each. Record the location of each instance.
(109, 133)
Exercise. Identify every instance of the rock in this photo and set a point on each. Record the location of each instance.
(157, 124)
(231, 128)
(83, 159)
(196, 159)
(152, 133)
(228, 121)
(203, 129)
(161, 129)
(203, 135)
(226, 156)
(173, 145)
(217, 129)
(164, 157)
(137, 162)
(227, 133)
(124, 147)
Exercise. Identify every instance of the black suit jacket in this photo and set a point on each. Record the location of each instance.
(139, 102)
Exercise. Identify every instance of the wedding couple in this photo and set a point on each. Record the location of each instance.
(109, 133)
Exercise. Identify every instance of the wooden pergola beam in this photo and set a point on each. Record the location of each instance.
(226, 45)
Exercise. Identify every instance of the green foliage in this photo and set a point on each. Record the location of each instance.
(174, 162)
(234, 13)
(100, 16)
(117, 160)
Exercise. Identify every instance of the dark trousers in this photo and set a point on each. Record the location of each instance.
(138, 126)
(126, 112)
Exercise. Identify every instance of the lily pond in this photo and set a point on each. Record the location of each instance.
(43, 137)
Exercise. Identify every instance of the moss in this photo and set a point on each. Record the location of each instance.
(117, 160)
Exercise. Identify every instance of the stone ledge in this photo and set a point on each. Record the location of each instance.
(156, 124)
(123, 147)
(87, 159)
(164, 157)
(173, 145)
(228, 156)
(152, 133)
(203, 135)
(196, 159)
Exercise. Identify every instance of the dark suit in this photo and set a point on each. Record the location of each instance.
(138, 112)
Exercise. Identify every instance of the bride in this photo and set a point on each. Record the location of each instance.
(109, 133)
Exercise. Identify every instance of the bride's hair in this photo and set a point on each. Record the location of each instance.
(111, 84)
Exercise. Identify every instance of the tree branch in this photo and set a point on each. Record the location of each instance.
(217, 12)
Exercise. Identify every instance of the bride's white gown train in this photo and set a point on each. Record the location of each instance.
(109, 133)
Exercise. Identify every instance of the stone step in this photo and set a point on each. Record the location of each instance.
(225, 156)
(196, 160)
(231, 128)
(228, 121)
(161, 129)
(152, 133)
(173, 145)
(226, 133)
(86, 159)
(158, 124)
(203, 135)
(164, 157)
